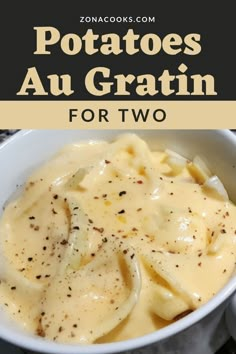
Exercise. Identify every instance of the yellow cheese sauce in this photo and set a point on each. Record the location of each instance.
(111, 241)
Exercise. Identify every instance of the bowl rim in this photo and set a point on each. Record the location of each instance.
(35, 343)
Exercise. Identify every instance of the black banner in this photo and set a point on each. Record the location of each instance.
(140, 74)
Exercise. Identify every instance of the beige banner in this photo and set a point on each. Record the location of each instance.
(118, 115)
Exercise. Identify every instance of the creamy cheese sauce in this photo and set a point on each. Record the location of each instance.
(111, 241)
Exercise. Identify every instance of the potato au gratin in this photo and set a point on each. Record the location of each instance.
(111, 241)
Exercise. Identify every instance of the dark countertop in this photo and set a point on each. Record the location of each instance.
(228, 348)
(4, 134)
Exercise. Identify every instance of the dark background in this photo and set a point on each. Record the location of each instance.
(215, 23)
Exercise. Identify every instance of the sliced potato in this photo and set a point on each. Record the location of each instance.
(199, 170)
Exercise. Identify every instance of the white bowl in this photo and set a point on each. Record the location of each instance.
(204, 330)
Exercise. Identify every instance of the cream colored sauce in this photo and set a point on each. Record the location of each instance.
(120, 253)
